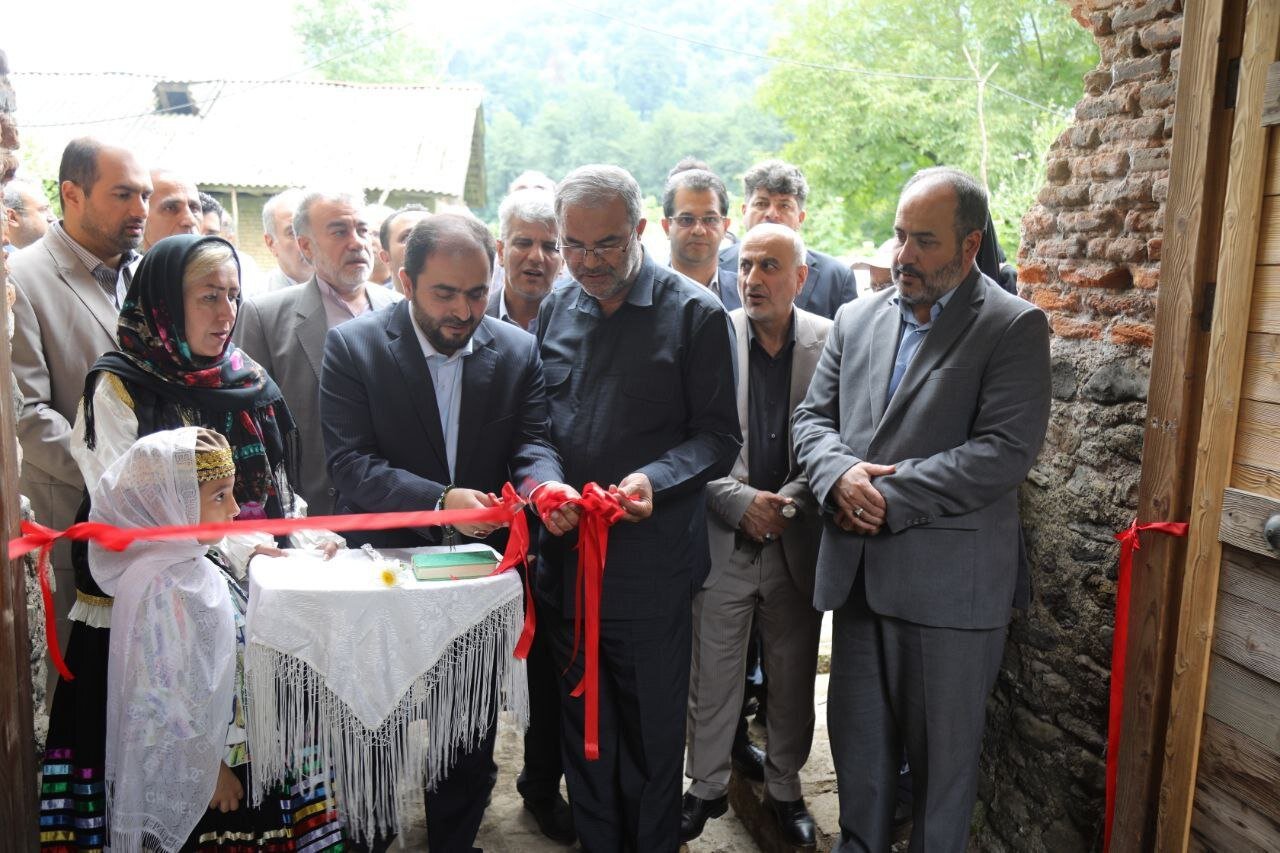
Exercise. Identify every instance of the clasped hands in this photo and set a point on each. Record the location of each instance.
(634, 495)
(860, 508)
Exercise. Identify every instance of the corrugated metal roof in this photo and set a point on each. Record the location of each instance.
(272, 134)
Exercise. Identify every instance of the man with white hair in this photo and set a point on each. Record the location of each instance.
(277, 232)
(528, 256)
(639, 377)
(175, 207)
(27, 215)
(284, 330)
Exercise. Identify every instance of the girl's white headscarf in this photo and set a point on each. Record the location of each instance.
(171, 668)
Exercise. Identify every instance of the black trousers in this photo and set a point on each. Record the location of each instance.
(629, 799)
(456, 807)
(540, 779)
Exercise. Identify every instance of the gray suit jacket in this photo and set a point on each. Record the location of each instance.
(728, 497)
(284, 331)
(963, 429)
(63, 320)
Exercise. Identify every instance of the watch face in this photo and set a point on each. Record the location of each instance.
(788, 511)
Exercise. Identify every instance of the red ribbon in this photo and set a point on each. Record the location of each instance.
(1129, 542)
(507, 511)
(600, 511)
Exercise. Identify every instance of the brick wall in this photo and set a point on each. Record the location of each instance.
(1090, 257)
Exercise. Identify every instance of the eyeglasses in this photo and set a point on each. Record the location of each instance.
(685, 220)
(603, 254)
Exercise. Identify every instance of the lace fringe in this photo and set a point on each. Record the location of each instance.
(378, 773)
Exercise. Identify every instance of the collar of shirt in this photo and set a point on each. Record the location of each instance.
(505, 316)
(114, 281)
(330, 294)
(909, 316)
(791, 335)
(430, 352)
(640, 294)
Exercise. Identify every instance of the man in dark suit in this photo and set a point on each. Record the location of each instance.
(284, 330)
(429, 403)
(695, 207)
(776, 192)
(640, 389)
(925, 413)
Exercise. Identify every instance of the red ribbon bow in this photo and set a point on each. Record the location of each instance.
(37, 536)
(1130, 541)
(600, 511)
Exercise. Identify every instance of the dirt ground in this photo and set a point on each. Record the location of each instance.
(508, 828)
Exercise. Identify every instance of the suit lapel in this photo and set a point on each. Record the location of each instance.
(951, 323)
(883, 341)
(477, 393)
(805, 358)
(406, 351)
(85, 287)
(811, 280)
(312, 325)
(740, 337)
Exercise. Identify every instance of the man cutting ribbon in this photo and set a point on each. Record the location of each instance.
(640, 389)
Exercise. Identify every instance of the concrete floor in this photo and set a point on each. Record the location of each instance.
(508, 828)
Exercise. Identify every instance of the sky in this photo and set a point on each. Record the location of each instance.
(247, 39)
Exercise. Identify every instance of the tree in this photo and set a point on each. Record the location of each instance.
(859, 136)
(363, 42)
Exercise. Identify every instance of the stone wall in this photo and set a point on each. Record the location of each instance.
(1090, 257)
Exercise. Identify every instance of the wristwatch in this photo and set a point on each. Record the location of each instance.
(787, 510)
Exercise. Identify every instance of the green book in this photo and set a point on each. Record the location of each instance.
(455, 565)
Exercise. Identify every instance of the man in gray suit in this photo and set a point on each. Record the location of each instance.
(926, 412)
(284, 330)
(528, 256)
(763, 527)
(70, 284)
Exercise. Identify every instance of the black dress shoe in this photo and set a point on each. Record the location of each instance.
(554, 817)
(748, 759)
(795, 821)
(695, 812)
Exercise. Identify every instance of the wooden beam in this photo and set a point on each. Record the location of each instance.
(1239, 245)
(1271, 97)
(1201, 138)
(18, 803)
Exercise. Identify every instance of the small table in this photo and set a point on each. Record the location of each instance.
(371, 686)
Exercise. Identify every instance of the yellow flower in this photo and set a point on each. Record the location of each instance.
(390, 577)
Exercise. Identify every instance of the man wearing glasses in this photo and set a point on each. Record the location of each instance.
(639, 379)
(776, 192)
(694, 204)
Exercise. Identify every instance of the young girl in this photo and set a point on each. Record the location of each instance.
(175, 747)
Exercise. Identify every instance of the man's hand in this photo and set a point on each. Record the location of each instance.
(471, 499)
(266, 551)
(763, 521)
(228, 793)
(635, 496)
(860, 505)
(565, 518)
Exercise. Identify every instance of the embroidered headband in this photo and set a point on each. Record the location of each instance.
(214, 465)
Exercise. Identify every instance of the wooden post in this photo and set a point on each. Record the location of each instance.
(18, 804)
(1201, 137)
(1216, 444)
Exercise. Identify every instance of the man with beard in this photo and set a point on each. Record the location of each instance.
(284, 330)
(926, 412)
(640, 388)
(694, 207)
(776, 192)
(433, 404)
(70, 284)
(529, 255)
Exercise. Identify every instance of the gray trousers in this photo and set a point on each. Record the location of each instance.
(755, 582)
(896, 683)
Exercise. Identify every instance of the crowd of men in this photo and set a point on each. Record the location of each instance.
(775, 446)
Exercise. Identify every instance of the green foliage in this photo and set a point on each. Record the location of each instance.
(363, 42)
(859, 137)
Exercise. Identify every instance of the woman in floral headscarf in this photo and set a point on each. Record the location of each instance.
(176, 367)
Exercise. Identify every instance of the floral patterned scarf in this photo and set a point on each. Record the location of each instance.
(171, 387)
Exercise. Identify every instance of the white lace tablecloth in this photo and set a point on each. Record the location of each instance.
(383, 684)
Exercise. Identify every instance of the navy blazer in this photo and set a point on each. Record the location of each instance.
(830, 283)
(383, 439)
